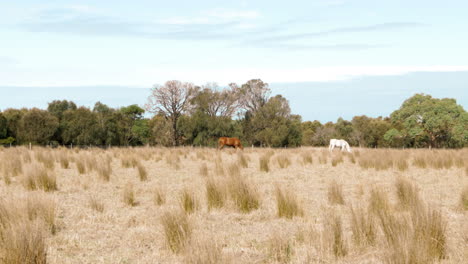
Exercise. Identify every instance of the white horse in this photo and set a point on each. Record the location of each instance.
(340, 143)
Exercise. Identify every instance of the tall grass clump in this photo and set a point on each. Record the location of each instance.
(337, 159)
(142, 173)
(188, 201)
(323, 157)
(287, 204)
(244, 194)
(335, 193)
(306, 158)
(104, 170)
(80, 165)
(40, 207)
(363, 227)
(464, 198)
(378, 201)
(203, 170)
(177, 230)
(45, 158)
(265, 163)
(215, 194)
(242, 159)
(96, 205)
(334, 237)
(219, 168)
(283, 161)
(204, 251)
(37, 177)
(159, 198)
(129, 195)
(280, 248)
(407, 193)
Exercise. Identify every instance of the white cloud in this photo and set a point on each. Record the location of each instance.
(149, 76)
(212, 16)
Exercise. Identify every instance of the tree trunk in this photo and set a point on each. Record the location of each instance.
(174, 132)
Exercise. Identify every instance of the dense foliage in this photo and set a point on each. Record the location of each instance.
(185, 114)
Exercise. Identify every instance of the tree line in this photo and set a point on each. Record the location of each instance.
(185, 114)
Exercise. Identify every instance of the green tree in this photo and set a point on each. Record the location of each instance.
(58, 107)
(160, 131)
(309, 129)
(80, 127)
(3, 126)
(13, 117)
(37, 126)
(428, 121)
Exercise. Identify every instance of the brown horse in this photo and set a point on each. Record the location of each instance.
(226, 141)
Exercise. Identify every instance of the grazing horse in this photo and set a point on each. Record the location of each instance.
(340, 143)
(226, 141)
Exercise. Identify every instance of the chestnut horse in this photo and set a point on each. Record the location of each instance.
(226, 141)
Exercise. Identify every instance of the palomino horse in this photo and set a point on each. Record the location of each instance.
(340, 143)
(226, 141)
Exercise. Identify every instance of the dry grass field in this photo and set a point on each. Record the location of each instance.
(200, 205)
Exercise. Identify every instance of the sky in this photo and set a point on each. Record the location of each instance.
(343, 55)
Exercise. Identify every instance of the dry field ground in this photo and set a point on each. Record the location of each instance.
(200, 205)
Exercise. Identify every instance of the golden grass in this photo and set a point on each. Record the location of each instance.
(280, 248)
(142, 173)
(335, 193)
(204, 251)
(203, 170)
(37, 177)
(215, 193)
(464, 198)
(363, 227)
(159, 198)
(129, 195)
(188, 201)
(95, 204)
(265, 163)
(104, 170)
(244, 194)
(306, 158)
(287, 203)
(389, 219)
(177, 230)
(407, 193)
(80, 165)
(283, 161)
(337, 159)
(242, 159)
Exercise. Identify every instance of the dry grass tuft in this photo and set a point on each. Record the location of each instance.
(40, 207)
(177, 230)
(159, 198)
(203, 170)
(80, 165)
(337, 159)
(95, 204)
(265, 163)
(283, 161)
(204, 251)
(335, 193)
(287, 204)
(334, 237)
(464, 198)
(37, 177)
(244, 194)
(104, 170)
(142, 173)
(378, 201)
(407, 193)
(306, 158)
(233, 170)
(129, 195)
(64, 161)
(215, 194)
(188, 201)
(219, 168)
(363, 226)
(280, 248)
(242, 159)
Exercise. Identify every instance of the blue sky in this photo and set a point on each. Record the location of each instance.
(299, 47)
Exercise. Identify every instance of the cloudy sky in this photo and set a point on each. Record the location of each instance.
(302, 48)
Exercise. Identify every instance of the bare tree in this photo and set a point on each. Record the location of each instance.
(253, 94)
(172, 99)
(216, 102)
